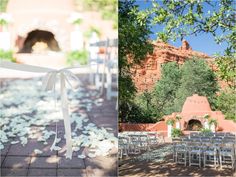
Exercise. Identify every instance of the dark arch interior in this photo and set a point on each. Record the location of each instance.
(39, 36)
(194, 125)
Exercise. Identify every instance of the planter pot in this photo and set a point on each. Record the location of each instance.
(5, 42)
(93, 50)
(169, 129)
(213, 128)
(206, 125)
(76, 40)
(178, 125)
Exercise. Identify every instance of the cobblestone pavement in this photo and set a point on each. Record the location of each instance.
(18, 160)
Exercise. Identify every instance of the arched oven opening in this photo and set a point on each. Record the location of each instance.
(39, 41)
(194, 125)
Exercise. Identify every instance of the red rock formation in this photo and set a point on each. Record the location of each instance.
(146, 75)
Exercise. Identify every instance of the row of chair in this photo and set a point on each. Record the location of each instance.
(104, 67)
(213, 152)
(135, 143)
(212, 134)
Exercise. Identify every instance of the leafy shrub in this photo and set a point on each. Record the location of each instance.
(178, 117)
(92, 30)
(170, 122)
(7, 55)
(80, 57)
(212, 121)
(206, 116)
(132, 113)
(226, 102)
(176, 132)
(205, 131)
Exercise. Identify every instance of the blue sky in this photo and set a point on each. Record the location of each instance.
(202, 42)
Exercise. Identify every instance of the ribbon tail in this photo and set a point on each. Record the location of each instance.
(65, 112)
(55, 140)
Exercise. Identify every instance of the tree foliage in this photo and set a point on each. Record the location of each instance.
(176, 84)
(227, 70)
(180, 19)
(193, 17)
(3, 5)
(108, 8)
(166, 88)
(226, 102)
(133, 47)
(197, 78)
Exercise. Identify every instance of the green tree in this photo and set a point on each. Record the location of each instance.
(226, 70)
(226, 102)
(134, 31)
(146, 103)
(107, 8)
(3, 5)
(193, 17)
(197, 78)
(166, 88)
(133, 113)
(176, 84)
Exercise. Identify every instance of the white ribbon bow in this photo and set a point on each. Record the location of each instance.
(49, 83)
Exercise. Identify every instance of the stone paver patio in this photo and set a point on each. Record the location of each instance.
(18, 160)
(163, 165)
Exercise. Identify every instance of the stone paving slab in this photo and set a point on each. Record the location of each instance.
(73, 163)
(62, 152)
(2, 157)
(71, 172)
(6, 148)
(28, 149)
(101, 166)
(42, 172)
(13, 172)
(44, 162)
(16, 162)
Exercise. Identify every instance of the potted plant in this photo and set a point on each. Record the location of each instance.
(5, 36)
(206, 117)
(75, 18)
(76, 38)
(213, 124)
(77, 57)
(178, 118)
(205, 131)
(170, 123)
(176, 132)
(5, 19)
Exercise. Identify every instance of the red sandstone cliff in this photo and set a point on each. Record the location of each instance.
(146, 75)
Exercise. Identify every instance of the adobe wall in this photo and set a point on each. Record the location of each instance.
(52, 16)
(159, 126)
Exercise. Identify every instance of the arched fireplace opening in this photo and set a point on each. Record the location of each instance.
(194, 125)
(39, 41)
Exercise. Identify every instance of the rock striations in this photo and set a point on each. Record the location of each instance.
(146, 74)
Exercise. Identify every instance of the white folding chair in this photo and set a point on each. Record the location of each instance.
(180, 153)
(123, 147)
(134, 144)
(195, 151)
(210, 155)
(106, 74)
(227, 154)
